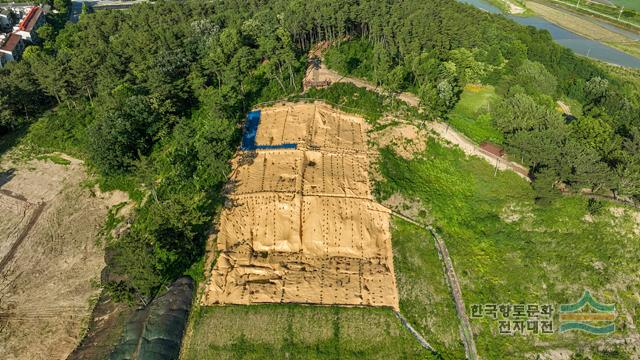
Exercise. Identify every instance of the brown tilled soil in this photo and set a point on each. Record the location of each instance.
(46, 279)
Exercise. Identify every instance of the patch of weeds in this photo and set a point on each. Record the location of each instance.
(54, 159)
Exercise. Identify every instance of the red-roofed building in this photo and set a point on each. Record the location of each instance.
(30, 23)
(11, 49)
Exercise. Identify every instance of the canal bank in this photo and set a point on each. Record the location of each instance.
(579, 44)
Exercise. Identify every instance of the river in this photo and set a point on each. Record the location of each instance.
(579, 44)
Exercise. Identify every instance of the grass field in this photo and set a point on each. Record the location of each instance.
(299, 332)
(507, 249)
(629, 4)
(425, 300)
(471, 115)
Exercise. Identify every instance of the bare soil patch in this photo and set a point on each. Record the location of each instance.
(405, 139)
(46, 283)
(300, 225)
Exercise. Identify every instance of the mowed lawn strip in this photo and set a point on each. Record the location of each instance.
(471, 115)
(629, 4)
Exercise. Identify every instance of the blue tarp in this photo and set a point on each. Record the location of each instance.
(250, 131)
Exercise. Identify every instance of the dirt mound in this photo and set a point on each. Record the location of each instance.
(300, 225)
(405, 139)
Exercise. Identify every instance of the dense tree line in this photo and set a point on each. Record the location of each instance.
(434, 48)
(152, 98)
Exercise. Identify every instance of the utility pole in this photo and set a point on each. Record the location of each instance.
(621, 10)
(578, 4)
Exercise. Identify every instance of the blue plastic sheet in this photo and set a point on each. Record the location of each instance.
(250, 131)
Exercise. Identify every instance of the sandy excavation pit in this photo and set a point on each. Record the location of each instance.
(300, 225)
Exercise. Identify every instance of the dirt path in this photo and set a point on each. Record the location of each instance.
(443, 130)
(513, 8)
(14, 247)
(454, 286)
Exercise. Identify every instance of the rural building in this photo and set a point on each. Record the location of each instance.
(30, 23)
(11, 49)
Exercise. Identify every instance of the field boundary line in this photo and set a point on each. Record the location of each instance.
(414, 332)
(454, 285)
(609, 17)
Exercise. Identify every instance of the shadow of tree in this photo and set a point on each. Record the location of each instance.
(9, 140)
(6, 176)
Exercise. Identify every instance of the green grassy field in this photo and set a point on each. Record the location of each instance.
(471, 115)
(298, 332)
(425, 300)
(629, 4)
(508, 249)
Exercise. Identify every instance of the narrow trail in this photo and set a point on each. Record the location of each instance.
(454, 286)
(414, 332)
(324, 75)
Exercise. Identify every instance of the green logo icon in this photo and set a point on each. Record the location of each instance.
(599, 320)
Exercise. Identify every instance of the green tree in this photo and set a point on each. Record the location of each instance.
(596, 89)
(124, 129)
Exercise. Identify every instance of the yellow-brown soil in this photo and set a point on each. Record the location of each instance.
(300, 226)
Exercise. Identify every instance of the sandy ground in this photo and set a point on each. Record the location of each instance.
(405, 139)
(441, 129)
(46, 284)
(513, 8)
(315, 236)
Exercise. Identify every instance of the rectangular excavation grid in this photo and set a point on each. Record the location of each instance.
(300, 225)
